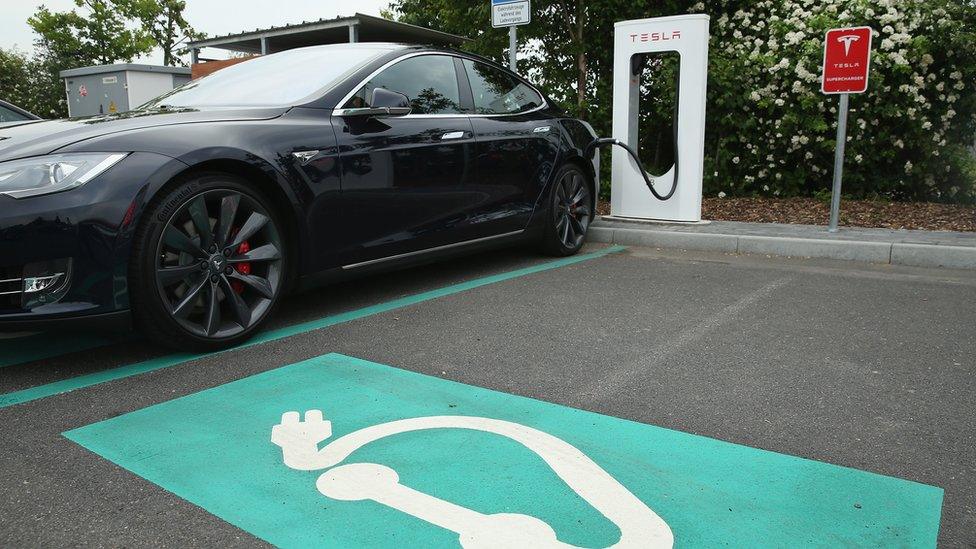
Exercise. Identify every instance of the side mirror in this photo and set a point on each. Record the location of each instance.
(383, 103)
(384, 98)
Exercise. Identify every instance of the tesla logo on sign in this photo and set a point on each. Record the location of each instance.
(655, 36)
(846, 40)
(847, 58)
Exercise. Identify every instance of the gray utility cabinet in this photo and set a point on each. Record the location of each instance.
(105, 89)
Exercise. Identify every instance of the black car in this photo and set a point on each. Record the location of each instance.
(11, 114)
(194, 213)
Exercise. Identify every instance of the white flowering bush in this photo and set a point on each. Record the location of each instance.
(910, 136)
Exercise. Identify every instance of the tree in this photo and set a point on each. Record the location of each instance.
(14, 77)
(58, 35)
(99, 35)
(47, 87)
(573, 15)
(163, 21)
(69, 39)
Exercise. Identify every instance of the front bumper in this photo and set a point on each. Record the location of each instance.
(90, 229)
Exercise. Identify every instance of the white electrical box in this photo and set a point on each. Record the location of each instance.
(107, 89)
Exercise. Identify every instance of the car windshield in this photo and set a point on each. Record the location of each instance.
(281, 79)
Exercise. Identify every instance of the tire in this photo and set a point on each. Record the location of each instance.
(569, 213)
(208, 263)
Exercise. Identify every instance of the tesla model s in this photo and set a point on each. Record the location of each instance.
(192, 215)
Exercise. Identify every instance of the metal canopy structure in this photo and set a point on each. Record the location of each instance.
(358, 28)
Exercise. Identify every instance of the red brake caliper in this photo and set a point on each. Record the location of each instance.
(243, 268)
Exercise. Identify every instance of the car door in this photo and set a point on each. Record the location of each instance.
(406, 180)
(516, 146)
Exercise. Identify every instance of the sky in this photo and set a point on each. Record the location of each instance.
(214, 17)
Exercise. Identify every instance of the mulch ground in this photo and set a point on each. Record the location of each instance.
(853, 213)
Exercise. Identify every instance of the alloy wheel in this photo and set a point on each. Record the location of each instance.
(572, 209)
(219, 264)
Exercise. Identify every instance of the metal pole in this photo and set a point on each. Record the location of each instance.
(512, 48)
(838, 162)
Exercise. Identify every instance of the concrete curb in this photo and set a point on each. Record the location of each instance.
(927, 255)
(894, 253)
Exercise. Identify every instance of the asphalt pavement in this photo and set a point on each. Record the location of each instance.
(864, 366)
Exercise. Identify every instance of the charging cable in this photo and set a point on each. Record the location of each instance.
(603, 141)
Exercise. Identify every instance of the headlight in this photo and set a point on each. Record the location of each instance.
(53, 173)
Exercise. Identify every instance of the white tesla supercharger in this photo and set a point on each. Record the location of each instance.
(631, 195)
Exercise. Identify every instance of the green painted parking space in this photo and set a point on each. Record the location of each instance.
(339, 451)
(175, 359)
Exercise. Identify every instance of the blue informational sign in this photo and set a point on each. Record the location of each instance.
(507, 13)
(341, 452)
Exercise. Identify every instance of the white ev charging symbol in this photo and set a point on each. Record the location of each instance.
(639, 525)
(846, 40)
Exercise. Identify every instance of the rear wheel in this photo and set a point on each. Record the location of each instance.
(208, 265)
(570, 212)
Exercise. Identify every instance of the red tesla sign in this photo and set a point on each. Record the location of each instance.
(847, 56)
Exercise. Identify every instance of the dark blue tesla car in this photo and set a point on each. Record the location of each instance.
(193, 214)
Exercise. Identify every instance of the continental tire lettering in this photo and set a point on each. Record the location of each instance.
(174, 202)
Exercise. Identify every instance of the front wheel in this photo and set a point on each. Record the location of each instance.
(208, 264)
(570, 212)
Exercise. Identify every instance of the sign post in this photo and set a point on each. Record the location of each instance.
(512, 48)
(847, 58)
(511, 13)
(838, 162)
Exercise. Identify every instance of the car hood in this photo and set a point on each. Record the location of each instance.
(45, 137)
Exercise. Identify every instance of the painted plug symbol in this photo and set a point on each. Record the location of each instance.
(300, 439)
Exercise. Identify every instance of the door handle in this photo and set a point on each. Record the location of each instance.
(452, 135)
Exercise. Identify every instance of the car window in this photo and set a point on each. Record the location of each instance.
(7, 115)
(496, 92)
(429, 81)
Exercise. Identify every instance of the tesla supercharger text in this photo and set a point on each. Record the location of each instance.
(686, 35)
